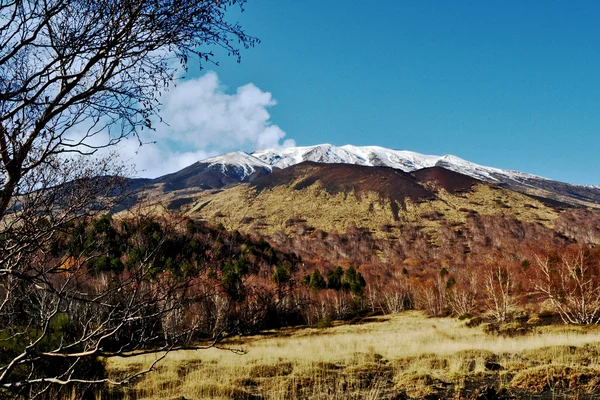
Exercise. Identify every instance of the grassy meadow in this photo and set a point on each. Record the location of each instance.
(389, 357)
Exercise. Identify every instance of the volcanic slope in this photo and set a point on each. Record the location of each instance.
(216, 172)
(335, 197)
(239, 167)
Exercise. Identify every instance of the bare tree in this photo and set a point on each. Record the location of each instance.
(76, 76)
(461, 300)
(461, 292)
(73, 289)
(397, 295)
(102, 63)
(571, 282)
(499, 289)
(431, 296)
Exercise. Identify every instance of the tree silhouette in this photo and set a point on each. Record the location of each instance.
(77, 76)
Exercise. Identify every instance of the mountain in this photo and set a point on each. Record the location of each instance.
(358, 213)
(391, 185)
(330, 197)
(406, 161)
(410, 161)
(216, 172)
(239, 167)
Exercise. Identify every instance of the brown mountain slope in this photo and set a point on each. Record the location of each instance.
(392, 185)
(205, 176)
(331, 197)
(442, 178)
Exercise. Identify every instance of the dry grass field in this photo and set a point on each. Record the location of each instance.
(390, 357)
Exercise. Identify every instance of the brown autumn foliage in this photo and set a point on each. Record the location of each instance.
(493, 266)
(484, 266)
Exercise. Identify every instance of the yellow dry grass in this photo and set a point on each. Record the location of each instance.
(272, 208)
(406, 352)
(241, 207)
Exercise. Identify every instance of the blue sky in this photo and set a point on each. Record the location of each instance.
(509, 84)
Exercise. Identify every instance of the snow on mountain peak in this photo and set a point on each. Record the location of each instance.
(245, 163)
(404, 160)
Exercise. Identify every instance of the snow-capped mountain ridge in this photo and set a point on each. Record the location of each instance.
(595, 187)
(239, 167)
(404, 160)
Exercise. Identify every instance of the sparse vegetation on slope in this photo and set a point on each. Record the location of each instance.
(312, 196)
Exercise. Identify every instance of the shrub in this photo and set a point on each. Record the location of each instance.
(551, 377)
(468, 316)
(535, 321)
(511, 329)
(419, 384)
(473, 322)
(489, 328)
(324, 323)
(268, 370)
